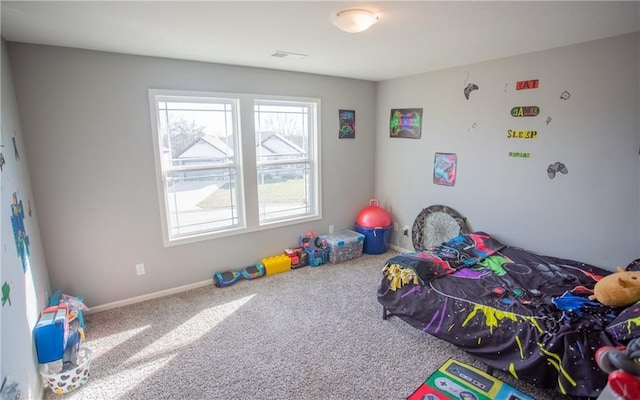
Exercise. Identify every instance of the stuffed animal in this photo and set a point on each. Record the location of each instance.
(623, 366)
(619, 289)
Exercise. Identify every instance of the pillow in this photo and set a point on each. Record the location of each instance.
(472, 247)
(633, 265)
(626, 325)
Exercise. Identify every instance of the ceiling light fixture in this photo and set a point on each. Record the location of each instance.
(355, 20)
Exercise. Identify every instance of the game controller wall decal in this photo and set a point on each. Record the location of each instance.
(469, 87)
(556, 167)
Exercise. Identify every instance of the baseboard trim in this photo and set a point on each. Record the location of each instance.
(399, 249)
(150, 296)
(179, 289)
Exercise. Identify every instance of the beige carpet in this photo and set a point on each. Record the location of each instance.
(310, 333)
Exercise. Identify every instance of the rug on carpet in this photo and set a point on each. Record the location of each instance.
(458, 381)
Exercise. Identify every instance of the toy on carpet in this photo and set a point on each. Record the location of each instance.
(623, 366)
(317, 249)
(228, 278)
(276, 264)
(312, 241)
(619, 289)
(298, 257)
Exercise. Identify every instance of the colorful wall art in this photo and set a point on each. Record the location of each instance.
(347, 119)
(19, 233)
(444, 169)
(406, 123)
(6, 293)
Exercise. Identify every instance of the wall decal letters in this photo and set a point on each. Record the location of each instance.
(511, 134)
(530, 84)
(525, 111)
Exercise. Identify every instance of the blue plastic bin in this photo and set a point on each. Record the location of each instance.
(376, 240)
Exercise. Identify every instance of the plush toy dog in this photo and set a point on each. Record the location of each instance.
(619, 289)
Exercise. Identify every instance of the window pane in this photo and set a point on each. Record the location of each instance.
(283, 191)
(200, 171)
(193, 133)
(200, 201)
(282, 131)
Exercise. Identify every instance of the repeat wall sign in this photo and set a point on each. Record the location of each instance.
(519, 154)
(406, 123)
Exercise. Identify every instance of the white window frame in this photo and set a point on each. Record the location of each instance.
(245, 165)
(313, 106)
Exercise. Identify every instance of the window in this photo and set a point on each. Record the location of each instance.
(205, 188)
(284, 133)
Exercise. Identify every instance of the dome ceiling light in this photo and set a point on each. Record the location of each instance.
(355, 20)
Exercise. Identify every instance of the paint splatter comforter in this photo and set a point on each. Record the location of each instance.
(526, 314)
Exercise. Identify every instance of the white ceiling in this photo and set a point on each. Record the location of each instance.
(410, 38)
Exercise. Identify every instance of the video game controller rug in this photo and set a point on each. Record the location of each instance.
(456, 380)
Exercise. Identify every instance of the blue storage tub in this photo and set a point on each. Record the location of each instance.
(376, 240)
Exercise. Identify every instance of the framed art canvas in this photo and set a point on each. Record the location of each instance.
(406, 123)
(347, 119)
(444, 169)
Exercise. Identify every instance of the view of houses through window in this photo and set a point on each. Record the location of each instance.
(202, 182)
(282, 158)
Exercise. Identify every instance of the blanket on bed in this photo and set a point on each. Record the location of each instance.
(523, 313)
(462, 251)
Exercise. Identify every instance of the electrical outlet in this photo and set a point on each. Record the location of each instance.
(330, 228)
(140, 269)
(405, 231)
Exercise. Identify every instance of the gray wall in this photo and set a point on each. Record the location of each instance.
(590, 214)
(87, 128)
(29, 289)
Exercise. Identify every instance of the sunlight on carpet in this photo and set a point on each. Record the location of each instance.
(189, 331)
(116, 340)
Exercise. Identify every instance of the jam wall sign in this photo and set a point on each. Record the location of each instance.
(525, 111)
(530, 84)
